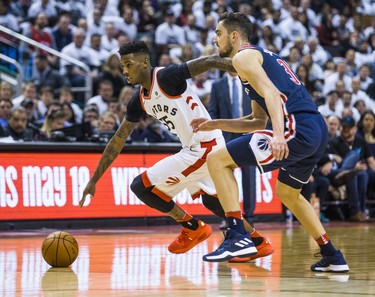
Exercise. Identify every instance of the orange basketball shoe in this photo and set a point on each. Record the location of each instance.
(264, 249)
(188, 239)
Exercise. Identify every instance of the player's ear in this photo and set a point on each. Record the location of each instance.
(145, 62)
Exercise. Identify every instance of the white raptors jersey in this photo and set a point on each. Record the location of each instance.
(177, 112)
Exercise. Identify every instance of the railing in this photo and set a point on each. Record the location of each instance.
(88, 80)
(16, 79)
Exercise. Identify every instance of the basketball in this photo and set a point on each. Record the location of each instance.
(60, 249)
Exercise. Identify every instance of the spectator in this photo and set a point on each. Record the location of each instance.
(17, 125)
(108, 40)
(66, 96)
(70, 118)
(29, 100)
(333, 124)
(45, 100)
(331, 107)
(45, 76)
(6, 90)
(5, 111)
(315, 71)
(63, 33)
(91, 115)
(48, 7)
(302, 72)
(346, 101)
(105, 95)
(39, 32)
(126, 94)
(269, 38)
(75, 8)
(107, 122)
(191, 32)
(366, 128)
(182, 54)
(147, 20)
(111, 71)
(127, 25)
(355, 154)
(55, 119)
(7, 19)
(364, 76)
(360, 105)
(358, 94)
(168, 35)
(291, 27)
(95, 24)
(97, 49)
(340, 74)
(318, 54)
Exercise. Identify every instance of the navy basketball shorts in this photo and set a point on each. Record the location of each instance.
(307, 138)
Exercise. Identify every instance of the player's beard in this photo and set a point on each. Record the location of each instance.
(226, 50)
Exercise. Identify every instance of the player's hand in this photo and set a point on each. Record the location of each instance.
(279, 147)
(89, 190)
(201, 124)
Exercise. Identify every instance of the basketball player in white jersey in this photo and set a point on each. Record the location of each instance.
(167, 96)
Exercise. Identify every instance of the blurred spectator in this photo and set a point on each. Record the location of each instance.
(147, 20)
(358, 94)
(127, 25)
(126, 94)
(70, 117)
(333, 124)
(329, 68)
(355, 154)
(5, 110)
(364, 76)
(45, 76)
(294, 57)
(66, 96)
(315, 71)
(107, 122)
(96, 47)
(164, 60)
(302, 72)
(182, 54)
(62, 34)
(291, 27)
(82, 53)
(346, 100)
(75, 8)
(29, 100)
(45, 100)
(38, 32)
(331, 107)
(352, 67)
(17, 125)
(49, 7)
(328, 36)
(108, 40)
(91, 115)
(201, 84)
(111, 71)
(340, 74)
(55, 119)
(105, 95)
(191, 32)
(95, 24)
(201, 12)
(6, 90)
(7, 19)
(318, 54)
(269, 38)
(360, 105)
(168, 35)
(273, 21)
(366, 128)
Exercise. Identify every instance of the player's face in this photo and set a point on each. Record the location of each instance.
(222, 41)
(132, 67)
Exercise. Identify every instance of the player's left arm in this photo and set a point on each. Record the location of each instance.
(249, 67)
(202, 64)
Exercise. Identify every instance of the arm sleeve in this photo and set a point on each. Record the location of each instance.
(172, 79)
(135, 110)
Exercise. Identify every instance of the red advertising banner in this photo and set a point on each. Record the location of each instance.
(49, 186)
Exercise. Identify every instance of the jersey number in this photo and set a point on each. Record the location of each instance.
(169, 124)
(287, 69)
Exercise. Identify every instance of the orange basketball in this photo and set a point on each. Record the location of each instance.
(60, 249)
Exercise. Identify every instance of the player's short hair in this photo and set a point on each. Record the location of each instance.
(137, 47)
(236, 21)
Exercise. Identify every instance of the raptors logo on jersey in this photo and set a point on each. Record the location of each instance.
(172, 112)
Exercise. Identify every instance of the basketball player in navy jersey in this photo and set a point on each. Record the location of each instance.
(166, 95)
(294, 145)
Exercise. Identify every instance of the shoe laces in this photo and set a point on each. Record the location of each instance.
(183, 236)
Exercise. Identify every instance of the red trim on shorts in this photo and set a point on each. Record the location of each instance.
(161, 194)
(146, 182)
(198, 194)
(199, 163)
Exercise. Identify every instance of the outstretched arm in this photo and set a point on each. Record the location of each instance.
(202, 64)
(110, 153)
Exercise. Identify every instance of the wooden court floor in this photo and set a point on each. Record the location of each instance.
(135, 262)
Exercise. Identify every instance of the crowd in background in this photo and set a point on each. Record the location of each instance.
(329, 44)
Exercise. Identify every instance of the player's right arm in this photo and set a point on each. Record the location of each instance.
(111, 151)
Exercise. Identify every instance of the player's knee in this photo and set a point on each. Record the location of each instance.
(213, 160)
(286, 193)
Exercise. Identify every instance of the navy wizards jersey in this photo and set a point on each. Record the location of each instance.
(295, 98)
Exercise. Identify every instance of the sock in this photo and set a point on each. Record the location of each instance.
(256, 237)
(235, 221)
(325, 245)
(188, 222)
